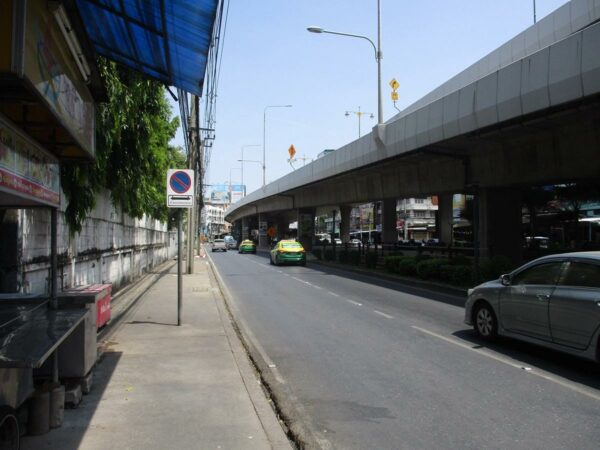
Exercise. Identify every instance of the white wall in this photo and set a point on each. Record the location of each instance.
(111, 248)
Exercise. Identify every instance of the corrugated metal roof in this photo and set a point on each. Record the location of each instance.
(167, 40)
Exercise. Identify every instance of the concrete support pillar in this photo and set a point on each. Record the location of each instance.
(498, 223)
(263, 226)
(245, 228)
(444, 220)
(345, 223)
(306, 227)
(389, 234)
(283, 227)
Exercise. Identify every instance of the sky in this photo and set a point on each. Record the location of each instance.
(270, 59)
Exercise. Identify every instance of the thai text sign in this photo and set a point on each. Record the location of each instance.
(26, 170)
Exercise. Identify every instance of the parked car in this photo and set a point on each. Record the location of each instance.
(247, 246)
(287, 251)
(218, 244)
(230, 242)
(553, 301)
(337, 241)
(355, 242)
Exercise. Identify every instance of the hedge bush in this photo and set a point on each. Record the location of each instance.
(343, 256)
(492, 268)
(407, 266)
(371, 260)
(318, 253)
(391, 263)
(354, 258)
(460, 275)
(430, 268)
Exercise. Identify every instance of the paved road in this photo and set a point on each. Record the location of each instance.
(369, 364)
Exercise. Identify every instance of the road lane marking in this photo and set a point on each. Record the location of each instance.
(383, 314)
(333, 293)
(353, 302)
(506, 361)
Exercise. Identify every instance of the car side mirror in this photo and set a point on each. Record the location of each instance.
(505, 279)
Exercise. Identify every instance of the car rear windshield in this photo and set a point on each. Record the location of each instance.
(290, 245)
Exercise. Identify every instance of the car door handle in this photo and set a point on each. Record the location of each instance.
(543, 297)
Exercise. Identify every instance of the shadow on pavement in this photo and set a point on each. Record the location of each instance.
(570, 367)
(77, 421)
(138, 322)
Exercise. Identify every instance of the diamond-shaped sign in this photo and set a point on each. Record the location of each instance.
(394, 84)
(292, 151)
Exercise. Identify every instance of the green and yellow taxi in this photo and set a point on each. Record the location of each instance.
(247, 246)
(288, 252)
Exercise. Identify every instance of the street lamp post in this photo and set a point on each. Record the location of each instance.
(250, 160)
(378, 55)
(359, 113)
(264, 167)
(242, 164)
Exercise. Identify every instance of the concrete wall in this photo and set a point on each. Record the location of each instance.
(111, 248)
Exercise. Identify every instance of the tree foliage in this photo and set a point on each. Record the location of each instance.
(133, 130)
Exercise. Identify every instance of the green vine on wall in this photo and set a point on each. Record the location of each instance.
(133, 130)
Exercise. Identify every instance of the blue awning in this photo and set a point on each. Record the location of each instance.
(167, 40)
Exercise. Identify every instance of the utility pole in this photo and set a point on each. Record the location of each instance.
(193, 157)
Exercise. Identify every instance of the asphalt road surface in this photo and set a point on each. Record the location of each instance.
(370, 364)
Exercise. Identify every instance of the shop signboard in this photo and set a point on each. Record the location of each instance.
(26, 170)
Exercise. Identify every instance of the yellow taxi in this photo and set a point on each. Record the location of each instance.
(247, 246)
(288, 251)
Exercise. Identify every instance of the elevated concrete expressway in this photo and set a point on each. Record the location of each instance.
(526, 114)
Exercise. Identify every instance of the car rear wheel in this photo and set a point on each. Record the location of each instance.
(9, 429)
(271, 260)
(485, 323)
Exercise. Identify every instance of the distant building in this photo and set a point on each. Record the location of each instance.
(416, 217)
(212, 220)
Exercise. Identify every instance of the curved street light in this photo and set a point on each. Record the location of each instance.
(378, 54)
(242, 163)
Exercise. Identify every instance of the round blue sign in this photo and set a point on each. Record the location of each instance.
(180, 182)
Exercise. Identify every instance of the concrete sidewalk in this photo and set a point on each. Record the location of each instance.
(160, 386)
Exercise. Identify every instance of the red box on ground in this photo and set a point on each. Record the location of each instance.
(100, 294)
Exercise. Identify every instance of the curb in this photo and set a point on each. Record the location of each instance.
(288, 410)
(257, 359)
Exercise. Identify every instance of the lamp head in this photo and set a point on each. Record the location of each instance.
(347, 114)
(315, 29)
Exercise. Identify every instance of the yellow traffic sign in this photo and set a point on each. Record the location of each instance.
(292, 151)
(395, 96)
(394, 84)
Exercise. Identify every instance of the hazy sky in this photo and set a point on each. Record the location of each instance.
(270, 59)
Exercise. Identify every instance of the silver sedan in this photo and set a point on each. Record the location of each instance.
(553, 301)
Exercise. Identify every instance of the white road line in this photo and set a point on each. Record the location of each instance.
(383, 314)
(333, 293)
(508, 362)
(353, 302)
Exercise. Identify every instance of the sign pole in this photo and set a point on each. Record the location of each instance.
(180, 194)
(179, 280)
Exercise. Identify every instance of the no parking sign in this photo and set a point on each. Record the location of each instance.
(180, 188)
